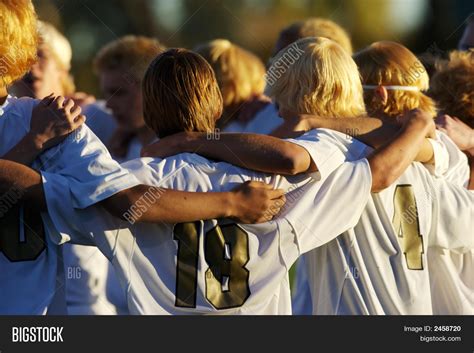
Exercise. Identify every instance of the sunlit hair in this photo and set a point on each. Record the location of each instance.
(180, 93)
(315, 27)
(130, 55)
(61, 51)
(452, 86)
(18, 39)
(322, 80)
(389, 63)
(240, 74)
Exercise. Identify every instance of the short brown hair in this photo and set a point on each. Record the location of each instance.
(452, 86)
(315, 27)
(180, 93)
(130, 54)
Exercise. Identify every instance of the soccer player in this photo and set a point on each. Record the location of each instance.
(452, 88)
(31, 277)
(218, 266)
(380, 266)
(453, 92)
(241, 78)
(313, 27)
(120, 66)
(85, 267)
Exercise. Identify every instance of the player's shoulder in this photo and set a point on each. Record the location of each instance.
(159, 168)
(19, 107)
(347, 144)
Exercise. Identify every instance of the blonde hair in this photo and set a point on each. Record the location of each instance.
(452, 86)
(389, 63)
(322, 80)
(18, 39)
(61, 51)
(240, 74)
(315, 27)
(129, 54)
(180, 93)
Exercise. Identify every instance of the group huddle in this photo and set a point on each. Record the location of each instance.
(205, 178)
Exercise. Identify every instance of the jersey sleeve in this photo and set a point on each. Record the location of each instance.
(91, 173)
(331, 206)
(454, 217)
(441, 158)
(329, 149)
(455, 167)
(62, 212)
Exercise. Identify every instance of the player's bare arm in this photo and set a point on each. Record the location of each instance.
(251, 151)
(388, 162)
(371, 131)
(52, 120)
(24, 182)
(252, 202)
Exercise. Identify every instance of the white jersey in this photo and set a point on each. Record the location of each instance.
(452, 273)
(30, 275)
(219, 267)
(100, 121)
(86, 270)
(264, 122)
(380, 266)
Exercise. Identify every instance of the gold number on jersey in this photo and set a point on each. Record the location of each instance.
(406, 224)
(227, 279)
(22, 234)
(187, 236)
(226, 252)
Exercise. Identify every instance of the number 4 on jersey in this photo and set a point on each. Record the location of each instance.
(406, 225)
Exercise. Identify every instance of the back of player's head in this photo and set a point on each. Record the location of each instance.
(452, 86)
(59, 45)
(18, 39)
(180, 93)
(316, 76)
(314, 27)
(240, 74)
(130, 55)
(393, 66)
(60, 50)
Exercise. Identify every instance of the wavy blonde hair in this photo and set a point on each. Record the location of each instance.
(452, 86)
(61, 51)
(315, 27)
(240, 74)
(389, 63)
(323, 80)
(18, 39)
(180, 93)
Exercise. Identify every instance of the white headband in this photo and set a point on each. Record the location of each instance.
(393, 87)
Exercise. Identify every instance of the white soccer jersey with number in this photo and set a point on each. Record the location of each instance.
(452, 273)
(211, 267)
(380, 266)
(31, 277)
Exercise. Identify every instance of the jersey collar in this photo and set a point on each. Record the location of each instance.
(3, 107)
